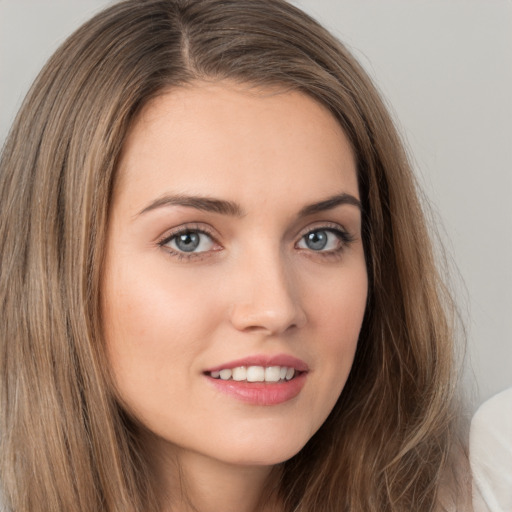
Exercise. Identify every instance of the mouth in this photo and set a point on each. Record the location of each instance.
(260, 380)
(270, 374)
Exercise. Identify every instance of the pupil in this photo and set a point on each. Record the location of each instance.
(316, 240)
(187, 242)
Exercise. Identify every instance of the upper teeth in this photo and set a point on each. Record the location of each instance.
(255, 373)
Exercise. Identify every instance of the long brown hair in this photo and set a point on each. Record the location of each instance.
(65, 444)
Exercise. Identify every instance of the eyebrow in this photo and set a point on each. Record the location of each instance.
(330, 203)
(206, 204)
(233, 209)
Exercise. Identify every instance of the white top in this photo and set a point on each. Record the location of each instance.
(491, 454)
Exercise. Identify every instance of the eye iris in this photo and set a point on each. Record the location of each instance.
(317, 240)
(187, 242)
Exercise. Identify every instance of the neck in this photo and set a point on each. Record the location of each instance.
(191, 482)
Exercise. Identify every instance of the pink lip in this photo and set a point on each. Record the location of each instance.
(262, 393)
(263, 360)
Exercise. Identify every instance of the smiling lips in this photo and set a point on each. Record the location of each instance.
(255, 373)
(260, 380)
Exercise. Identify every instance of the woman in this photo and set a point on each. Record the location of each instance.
(218, 289)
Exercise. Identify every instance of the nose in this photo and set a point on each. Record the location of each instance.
(267, 297)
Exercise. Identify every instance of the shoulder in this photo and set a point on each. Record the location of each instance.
(498, 408)
(491, 454)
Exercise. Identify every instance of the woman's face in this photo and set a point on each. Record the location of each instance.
(235, 280)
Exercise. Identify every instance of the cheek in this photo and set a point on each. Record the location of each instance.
(154, 328)
(150, 306)
(337, 310)
(336, 315)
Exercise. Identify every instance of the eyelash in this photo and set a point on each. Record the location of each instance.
(183, 231)
(344, 236)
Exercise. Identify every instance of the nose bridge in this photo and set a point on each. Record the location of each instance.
(267, 297)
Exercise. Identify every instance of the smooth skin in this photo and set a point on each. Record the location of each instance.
(221, 246)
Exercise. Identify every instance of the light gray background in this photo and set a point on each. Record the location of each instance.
(445, 66)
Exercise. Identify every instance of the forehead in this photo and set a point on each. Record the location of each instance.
(227, 139)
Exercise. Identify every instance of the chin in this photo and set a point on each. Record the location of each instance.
(258, 450)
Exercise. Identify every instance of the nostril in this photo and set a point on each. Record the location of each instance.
(251, 318)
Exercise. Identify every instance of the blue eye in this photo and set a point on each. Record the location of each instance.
(321, 240)
(189, 242)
